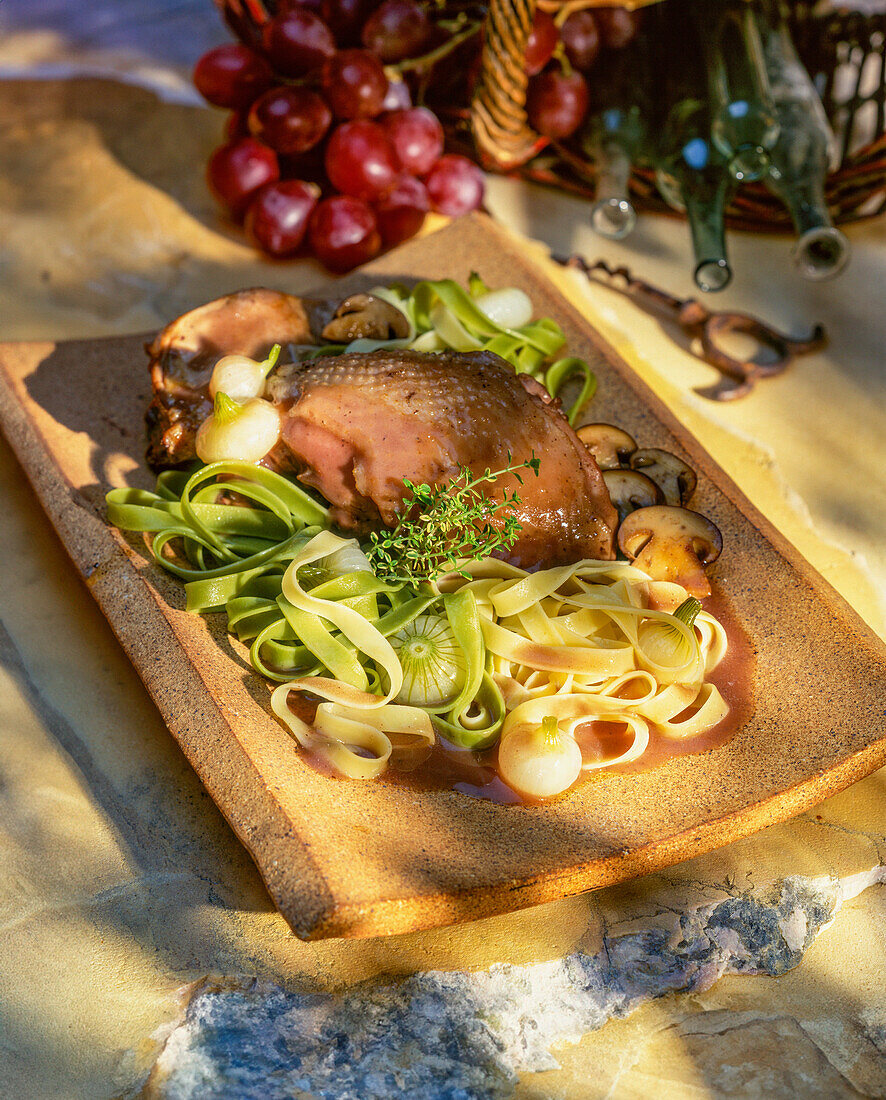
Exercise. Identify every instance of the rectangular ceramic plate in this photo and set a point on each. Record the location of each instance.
(360, 859)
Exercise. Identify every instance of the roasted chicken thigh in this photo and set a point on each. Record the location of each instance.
(355, 425)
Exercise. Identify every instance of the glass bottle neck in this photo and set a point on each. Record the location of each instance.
(744, 125)
(706, 216)
(804, 199)
(821, 250)
(612, 214)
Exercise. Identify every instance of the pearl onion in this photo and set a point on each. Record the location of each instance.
(247, 436)
(239, 377)
(536, 764)
(509, 306)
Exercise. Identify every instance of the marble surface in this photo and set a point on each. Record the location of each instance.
(140, 953)
(477, 1034)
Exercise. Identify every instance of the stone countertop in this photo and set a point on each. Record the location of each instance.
(141, 953)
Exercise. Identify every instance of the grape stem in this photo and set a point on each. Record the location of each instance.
(435, 55)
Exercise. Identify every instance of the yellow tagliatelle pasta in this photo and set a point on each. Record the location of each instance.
(575, 645)
(566, 646)
(353, 740)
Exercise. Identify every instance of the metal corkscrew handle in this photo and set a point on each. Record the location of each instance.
(706, 326)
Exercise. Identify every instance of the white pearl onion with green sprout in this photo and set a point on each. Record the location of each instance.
(244, 433)
(539, 762)
(241, 377)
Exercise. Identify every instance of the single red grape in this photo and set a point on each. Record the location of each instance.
(290, 120)
(581, 39)
(238, 169)
(396, 30)
(277, 218)
(297, 42)
(401, 213)
(355, 84)
(231, 76)
(417, 137)
(397, 97)
(543, 37)
(360, 160)
(343, 232)
(557, 103)
(345, 18)
(618, 26)
(455, 185)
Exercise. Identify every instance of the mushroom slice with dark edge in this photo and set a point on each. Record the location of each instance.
(671, 474)
(365, 317)
(672, 544)
(630, 490)
(610, 446)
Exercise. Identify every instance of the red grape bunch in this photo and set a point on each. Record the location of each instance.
(326, 154)
(559, 56)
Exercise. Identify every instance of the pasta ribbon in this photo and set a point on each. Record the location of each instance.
(578, 644)
(354, 742)
(226, 545)
(362, 634)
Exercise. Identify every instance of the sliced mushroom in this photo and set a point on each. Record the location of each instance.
(630, 490)
(610, 446)
(671, 474)
(363, 316)
(672, 544)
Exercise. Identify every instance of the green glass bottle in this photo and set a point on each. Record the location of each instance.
(743, 123)
(690, 171)
(612, 213)
(800, 158)
(692, 175)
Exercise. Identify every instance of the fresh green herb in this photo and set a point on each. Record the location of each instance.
(442, 524)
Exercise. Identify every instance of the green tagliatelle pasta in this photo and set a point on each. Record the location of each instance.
(343, 641)
(309, 605)
(225, 545)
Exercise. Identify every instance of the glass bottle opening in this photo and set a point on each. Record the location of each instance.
(749, 162)
(821, 253)
(711, 275)
(613, 218)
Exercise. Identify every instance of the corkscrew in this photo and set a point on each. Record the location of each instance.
(705, 327)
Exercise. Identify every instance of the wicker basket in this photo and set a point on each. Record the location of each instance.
(844, 51)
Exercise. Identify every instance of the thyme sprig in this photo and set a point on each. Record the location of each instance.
(440, 525)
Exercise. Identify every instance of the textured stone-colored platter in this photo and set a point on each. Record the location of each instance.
(361, 859)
